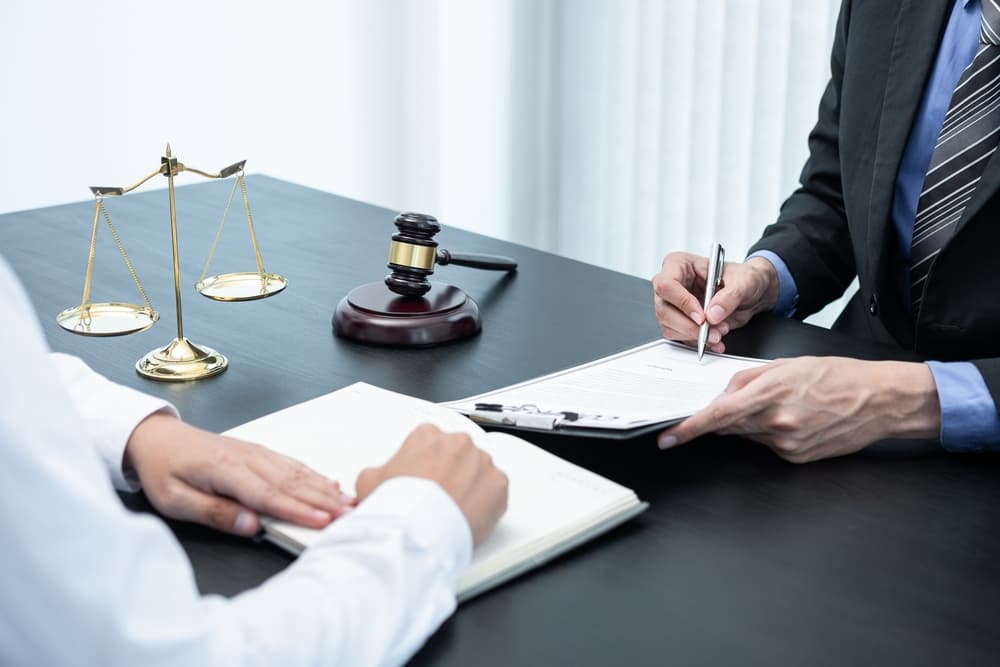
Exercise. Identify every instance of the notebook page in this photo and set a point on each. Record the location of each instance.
(341, 433)
(550, 499)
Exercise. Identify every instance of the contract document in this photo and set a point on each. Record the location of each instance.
(639, 390)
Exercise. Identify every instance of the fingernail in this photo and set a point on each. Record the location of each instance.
(667, 441)
(716, 313)
(723, 329)
(346, 499)
(246, 523)
(695, 316)
(321, 515)
(714, 336)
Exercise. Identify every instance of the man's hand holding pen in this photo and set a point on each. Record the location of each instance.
(805, 408)
(679, 288)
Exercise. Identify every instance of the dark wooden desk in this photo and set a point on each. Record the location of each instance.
(891, 556)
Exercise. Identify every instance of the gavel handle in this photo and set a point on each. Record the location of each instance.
(489, 262)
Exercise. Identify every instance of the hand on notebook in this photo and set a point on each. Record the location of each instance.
(811, 408)
(223, 482)
(464, 471)
(679, 288)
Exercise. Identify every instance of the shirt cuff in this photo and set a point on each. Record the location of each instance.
(788, 293)
(109, 412)
(434, 521)
(969, 420)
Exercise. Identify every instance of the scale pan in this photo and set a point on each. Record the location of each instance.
(243, 286)
(107, 319)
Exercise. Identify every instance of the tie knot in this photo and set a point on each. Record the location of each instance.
(989, 29)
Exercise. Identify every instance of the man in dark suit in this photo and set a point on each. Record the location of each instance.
(902, 190)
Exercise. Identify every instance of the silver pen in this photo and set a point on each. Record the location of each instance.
(716, 261)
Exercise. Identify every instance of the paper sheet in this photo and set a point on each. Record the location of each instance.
(655, 382)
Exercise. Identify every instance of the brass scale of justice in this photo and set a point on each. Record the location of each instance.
(405, 309)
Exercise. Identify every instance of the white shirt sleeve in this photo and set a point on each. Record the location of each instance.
(109, 412)
(85, 581)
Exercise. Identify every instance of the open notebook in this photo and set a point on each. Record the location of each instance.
(553, 506)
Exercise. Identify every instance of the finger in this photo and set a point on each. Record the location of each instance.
(244, 485)
(719, 414)
(726, 301)
(674, 325)
(745, 377)
(730, 297)
(422, 435)
(684, 267)
(228, 516)
(300, 481)
(291, 476)
(674, 288)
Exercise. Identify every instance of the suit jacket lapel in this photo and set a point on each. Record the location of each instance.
(918, 28)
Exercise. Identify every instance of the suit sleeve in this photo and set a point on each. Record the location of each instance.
(811, 234)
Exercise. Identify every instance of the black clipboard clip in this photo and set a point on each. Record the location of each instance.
(528, 415)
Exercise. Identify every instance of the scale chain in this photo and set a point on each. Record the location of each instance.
(121, 249)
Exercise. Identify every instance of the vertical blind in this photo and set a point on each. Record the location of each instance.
(615, 131)
(665, 125)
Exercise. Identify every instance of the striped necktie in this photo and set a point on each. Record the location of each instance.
(968, 138)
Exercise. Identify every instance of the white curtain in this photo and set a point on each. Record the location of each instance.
(670, 124)
(629, 128)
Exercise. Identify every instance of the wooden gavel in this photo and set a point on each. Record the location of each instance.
(413, 253)
(413, 311)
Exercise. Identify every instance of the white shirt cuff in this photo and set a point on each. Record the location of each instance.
(109, 411)
(434, 521)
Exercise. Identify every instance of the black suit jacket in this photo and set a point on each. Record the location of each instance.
(838, 223)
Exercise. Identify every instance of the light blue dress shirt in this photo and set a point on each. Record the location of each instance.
(969, 420)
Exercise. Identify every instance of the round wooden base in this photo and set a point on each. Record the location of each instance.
(373, 314)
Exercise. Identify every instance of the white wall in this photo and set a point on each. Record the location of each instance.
(309, 91)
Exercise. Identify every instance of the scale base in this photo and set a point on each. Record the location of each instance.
(181, 361)
(373, 314)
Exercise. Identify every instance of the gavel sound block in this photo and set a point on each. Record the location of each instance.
(406, 309)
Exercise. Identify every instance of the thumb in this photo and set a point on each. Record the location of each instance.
(729, 298)
(725, 302)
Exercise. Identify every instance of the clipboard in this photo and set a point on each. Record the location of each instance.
(632, 393)
(561, 422)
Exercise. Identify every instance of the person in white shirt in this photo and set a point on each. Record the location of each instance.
(84, 581)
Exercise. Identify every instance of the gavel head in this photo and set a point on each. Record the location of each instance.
(412, 254)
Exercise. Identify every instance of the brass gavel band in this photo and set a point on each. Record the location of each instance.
(409, 254)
